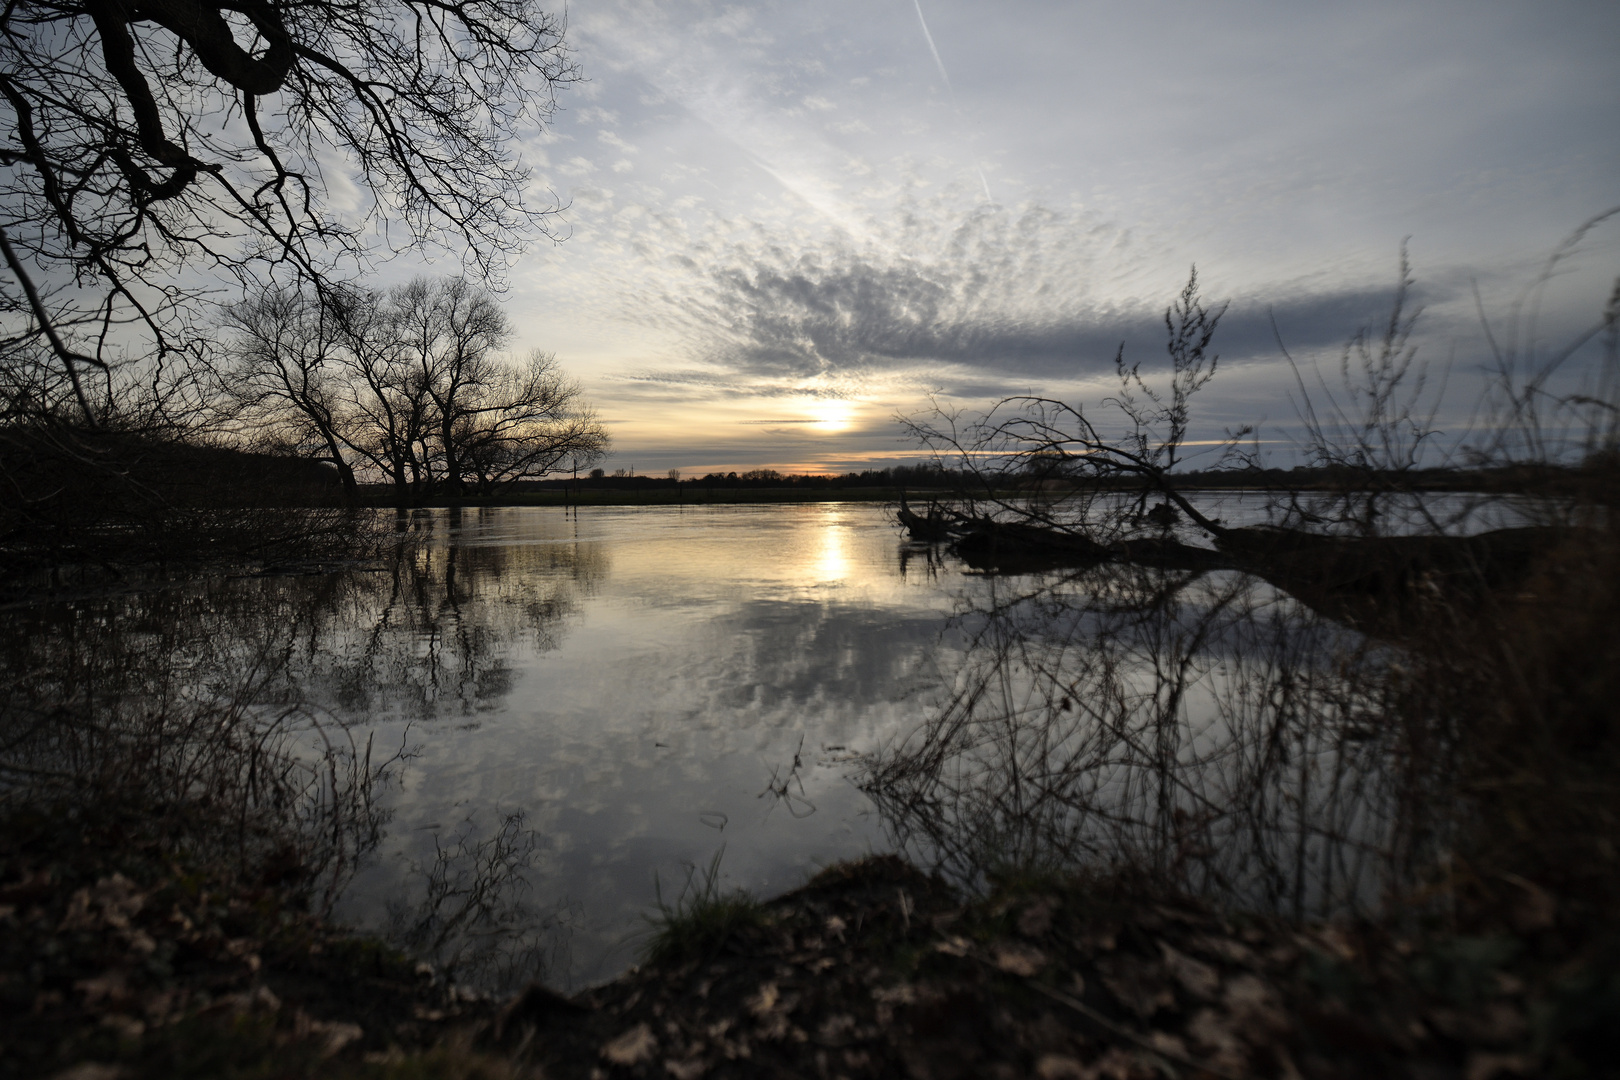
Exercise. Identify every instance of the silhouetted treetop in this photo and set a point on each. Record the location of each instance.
(140, 140)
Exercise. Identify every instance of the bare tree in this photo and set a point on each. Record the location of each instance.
(283, 349)
(407, 386)
(524, 422)
(152, 148)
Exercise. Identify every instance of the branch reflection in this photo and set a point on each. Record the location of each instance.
(259, 722)
(1203, 727)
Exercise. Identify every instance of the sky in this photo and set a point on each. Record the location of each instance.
(785, 225)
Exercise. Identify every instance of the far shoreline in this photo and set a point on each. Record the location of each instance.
(684, 496)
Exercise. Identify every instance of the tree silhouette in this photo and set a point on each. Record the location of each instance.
(152, 147)
(406, 385)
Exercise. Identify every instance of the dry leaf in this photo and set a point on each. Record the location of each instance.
(834, 1030)
(1253, 1004)
(157, 1005)
(110, 985)
(1059, 1067)
(127, 1026)
(1335, 942)
(764, 1001)
(1016, 959)
(633, 1047)
(90, 1070)
(78, 913)
(1117, 1063)
(1490, 1066)
(1036, 919)
(1135, 985)
(1198, 978)
(686, 1070)
(1227, 949)
(773, 1027)
(1536, 909)
(1216, 1038)
(1168, 1044)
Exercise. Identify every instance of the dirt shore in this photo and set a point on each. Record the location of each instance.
(120, 962)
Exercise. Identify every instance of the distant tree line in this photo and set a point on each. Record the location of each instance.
(902, 476)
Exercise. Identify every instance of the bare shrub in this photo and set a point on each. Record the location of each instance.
(1353, 707)
(1204, 728)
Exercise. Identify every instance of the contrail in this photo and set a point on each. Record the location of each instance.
(949, 89)
(935, 50)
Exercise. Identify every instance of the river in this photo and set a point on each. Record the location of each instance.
(553, 718)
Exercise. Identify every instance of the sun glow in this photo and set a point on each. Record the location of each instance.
(832, 414)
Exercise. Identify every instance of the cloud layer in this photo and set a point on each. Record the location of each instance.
(777, 203)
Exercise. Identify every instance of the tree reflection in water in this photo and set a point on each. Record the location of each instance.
(1203, 727)
(469, 911)
(258, 721)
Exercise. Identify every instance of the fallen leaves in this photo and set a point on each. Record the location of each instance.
(111, 902)
(633, 1047)
(91, 1070)
(1197, 978)
(1138, 984)
(686, 1070)
(1016, 958)
(1059, 1067)
(763, 1003)
(1036, 919)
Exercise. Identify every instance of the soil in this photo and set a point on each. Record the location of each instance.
(119, 961)
(876, 970)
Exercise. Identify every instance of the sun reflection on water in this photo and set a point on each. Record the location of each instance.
(832, 562)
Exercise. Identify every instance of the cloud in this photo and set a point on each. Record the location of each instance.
(1016, 295)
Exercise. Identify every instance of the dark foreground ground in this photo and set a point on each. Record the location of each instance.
(117, 961)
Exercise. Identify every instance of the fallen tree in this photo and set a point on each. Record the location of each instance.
(1357, 531)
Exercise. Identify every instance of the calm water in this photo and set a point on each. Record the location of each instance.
(638, 683)
(579, 708)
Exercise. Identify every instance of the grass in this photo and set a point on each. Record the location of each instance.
(701, 920)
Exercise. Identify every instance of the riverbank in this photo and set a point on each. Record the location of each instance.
(125, 954)
(123, 961)
(875, 970)
(161, 877)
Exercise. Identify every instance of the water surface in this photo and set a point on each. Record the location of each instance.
(639, 683)
(562, 713)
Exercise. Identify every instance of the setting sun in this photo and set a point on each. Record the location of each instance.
(832, 414)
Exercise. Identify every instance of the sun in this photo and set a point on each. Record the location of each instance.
(832, 414)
